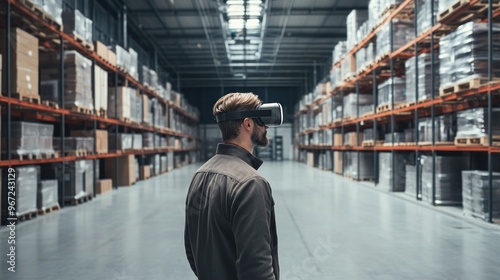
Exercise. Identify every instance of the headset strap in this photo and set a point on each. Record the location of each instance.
(227, 116)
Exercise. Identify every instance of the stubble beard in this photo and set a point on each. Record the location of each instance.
(259, 140)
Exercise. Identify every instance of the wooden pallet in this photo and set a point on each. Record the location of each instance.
(372, 143)
(78, 153)
(469, 84)
(477, 141)
(25, 97)
(382, 57)
(49, 155)
(403, 105)
(83, 42)
(27, 216)
(27, 156)
(407, 144)
(50, 104)
(125, 120)
(429, 143)
(387, 11)
(367, 114)
(102, 113)
(385, 107)
(48, 210)
(80, 110)
(478, 10)
(77, 201)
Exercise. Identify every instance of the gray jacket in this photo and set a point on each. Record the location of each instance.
(230, 230)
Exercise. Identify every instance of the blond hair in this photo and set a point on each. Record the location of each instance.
(234, 102)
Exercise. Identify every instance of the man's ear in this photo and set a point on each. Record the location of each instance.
(248, 123)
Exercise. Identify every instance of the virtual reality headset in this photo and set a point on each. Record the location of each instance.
(267, 114)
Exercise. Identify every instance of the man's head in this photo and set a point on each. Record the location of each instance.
(231, 129)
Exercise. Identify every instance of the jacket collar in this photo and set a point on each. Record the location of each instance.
(233, 150)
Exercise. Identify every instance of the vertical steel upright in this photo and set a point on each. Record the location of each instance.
(115, 180)
(375, 132)
(490, 110)
(357, 130)
(433, 89)
(342, 131)
(392, 103)
(416, 132)
(94, 164)
(8, 87)
(63, 120)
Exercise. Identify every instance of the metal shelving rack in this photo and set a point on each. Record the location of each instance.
(425, 42)
(41, 112)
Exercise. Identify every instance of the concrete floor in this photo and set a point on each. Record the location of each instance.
(328, 228)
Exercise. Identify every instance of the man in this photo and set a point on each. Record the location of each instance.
(230, 230)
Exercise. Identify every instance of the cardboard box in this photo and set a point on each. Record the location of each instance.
(337, 162)
(353, 139)
(104, 186)
(310, 159)
(111, 57)
(101, 137)
(145, 172)
(126, 170)
(24, 62)
(101, 89)
(101, 50)
(337, 139)
(145, 108)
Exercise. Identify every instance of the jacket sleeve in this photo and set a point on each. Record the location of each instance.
(251, 222)
(187, 241)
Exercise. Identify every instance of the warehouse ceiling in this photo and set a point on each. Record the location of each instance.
(213, 43)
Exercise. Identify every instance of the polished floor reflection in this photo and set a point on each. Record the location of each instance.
(329, 228)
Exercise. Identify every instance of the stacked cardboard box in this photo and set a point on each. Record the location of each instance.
(101, 90)
(24, 62)
(366, 170)
(353, 101)
(474, 122)
(424, 64)
(78, 73)
(104, 186)
(126, 170)
(353, 139)
(145, 172)
(122, 101)
(77, 183)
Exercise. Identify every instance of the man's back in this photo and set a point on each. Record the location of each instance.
(230, 224)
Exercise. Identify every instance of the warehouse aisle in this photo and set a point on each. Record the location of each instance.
(328, 227)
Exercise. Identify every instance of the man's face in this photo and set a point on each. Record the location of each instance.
(259, 136)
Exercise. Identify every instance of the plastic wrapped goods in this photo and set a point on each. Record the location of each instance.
(125, 141)
(385, 91)
(475, 194)
(424, 77)
(474, 122)
(411, 180)
(76, 23)
(398, 137)
(123, 99)
(27, 178)
(353, 22)
(350, 162)
(424, 15)
(448, 178)
(463, 54)
(25, 138)
(402, 33)
(374, 11)
(368, 134)
(445, 128)
(47, 194)
(351, 103)
(390, 179)
(339, 51)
